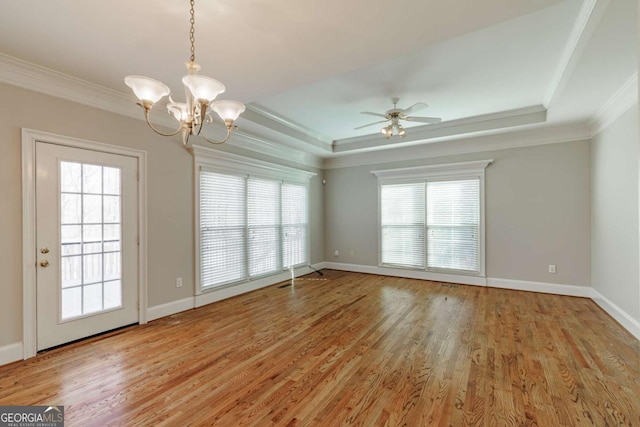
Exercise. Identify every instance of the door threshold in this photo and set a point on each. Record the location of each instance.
(90, 338)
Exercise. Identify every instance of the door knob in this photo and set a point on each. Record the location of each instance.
(44, 263)
(44, 250)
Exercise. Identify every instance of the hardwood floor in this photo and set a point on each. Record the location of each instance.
(350, 349)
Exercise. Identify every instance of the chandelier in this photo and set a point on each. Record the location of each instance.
(200, 94)
(388, 131)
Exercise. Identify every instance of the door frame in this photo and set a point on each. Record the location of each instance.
(29, 310)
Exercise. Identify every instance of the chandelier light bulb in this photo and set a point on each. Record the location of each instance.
(203, 88)
(147, 89)
(228, 109)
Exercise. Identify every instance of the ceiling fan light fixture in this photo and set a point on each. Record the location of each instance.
(387, 131)
(395, 115)
(200, 92)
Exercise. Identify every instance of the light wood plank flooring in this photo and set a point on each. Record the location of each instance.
(350, 349)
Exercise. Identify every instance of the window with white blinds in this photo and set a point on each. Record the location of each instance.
(453, 225)
(294, 224)
(431, 217)
(222, 229)
(250, 227)
(402, 222)
(263, 227)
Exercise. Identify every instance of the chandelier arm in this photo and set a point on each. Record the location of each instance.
(203, 116)
(218, 142)
(147, 112)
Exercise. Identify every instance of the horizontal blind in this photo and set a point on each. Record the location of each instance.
(263, 223)
(402, 223)
(294, 224)
(222, 229)
(453, 225)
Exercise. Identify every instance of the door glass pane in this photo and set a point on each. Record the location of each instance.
(112, 294)
(71, 302)
(111, 181)
(90, 238)
(91, 233)
(91, 208)
(70, 208)
(92, 298)
(112, 209)
(70, 176)
(91, 179)
(71, 271)
(91, 269)
(112, 265)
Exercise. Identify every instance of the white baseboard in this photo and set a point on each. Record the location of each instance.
(629, 323)
(542, 287)
(11, 353)
(409, 274)
(170, 308)
(235, 290)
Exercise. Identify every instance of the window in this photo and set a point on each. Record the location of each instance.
(250, 226)
(222, 228)
(453, 225)
(294, 224)
(263, 227)
(402, 222)
(431, 217)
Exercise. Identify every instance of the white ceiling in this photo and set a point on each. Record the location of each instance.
(307, 69)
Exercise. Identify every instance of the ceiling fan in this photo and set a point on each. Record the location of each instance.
(395, 115)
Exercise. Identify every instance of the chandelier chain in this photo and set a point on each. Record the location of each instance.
(192, 36)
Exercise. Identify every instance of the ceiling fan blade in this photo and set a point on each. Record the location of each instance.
(431, 120)
(374, 114)
(415, 107)
(370, 124)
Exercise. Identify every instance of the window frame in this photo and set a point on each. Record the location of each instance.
(220, 162)
(433, 173)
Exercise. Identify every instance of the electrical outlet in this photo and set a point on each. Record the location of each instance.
(178, 282)
(552, 269)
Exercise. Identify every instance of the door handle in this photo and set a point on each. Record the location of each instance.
(44, 250)
(44, 263)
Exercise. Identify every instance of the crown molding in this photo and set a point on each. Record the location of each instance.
(473, 144)
(210, 157)
(624, 98)
(36, 78)
(443, 170)
(265, 117)
(255, 143)
(450, 128)
(584, 26)
(40, 79)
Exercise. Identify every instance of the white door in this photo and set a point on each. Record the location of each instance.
(86, 235)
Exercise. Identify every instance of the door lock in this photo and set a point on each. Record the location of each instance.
(44, 250)
(44, 263)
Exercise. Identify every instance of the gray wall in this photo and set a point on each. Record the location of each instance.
(170, 195)
(614, 213)
(537, 212)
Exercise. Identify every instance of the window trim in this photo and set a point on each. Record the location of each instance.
(430, 173)
(222, 162)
